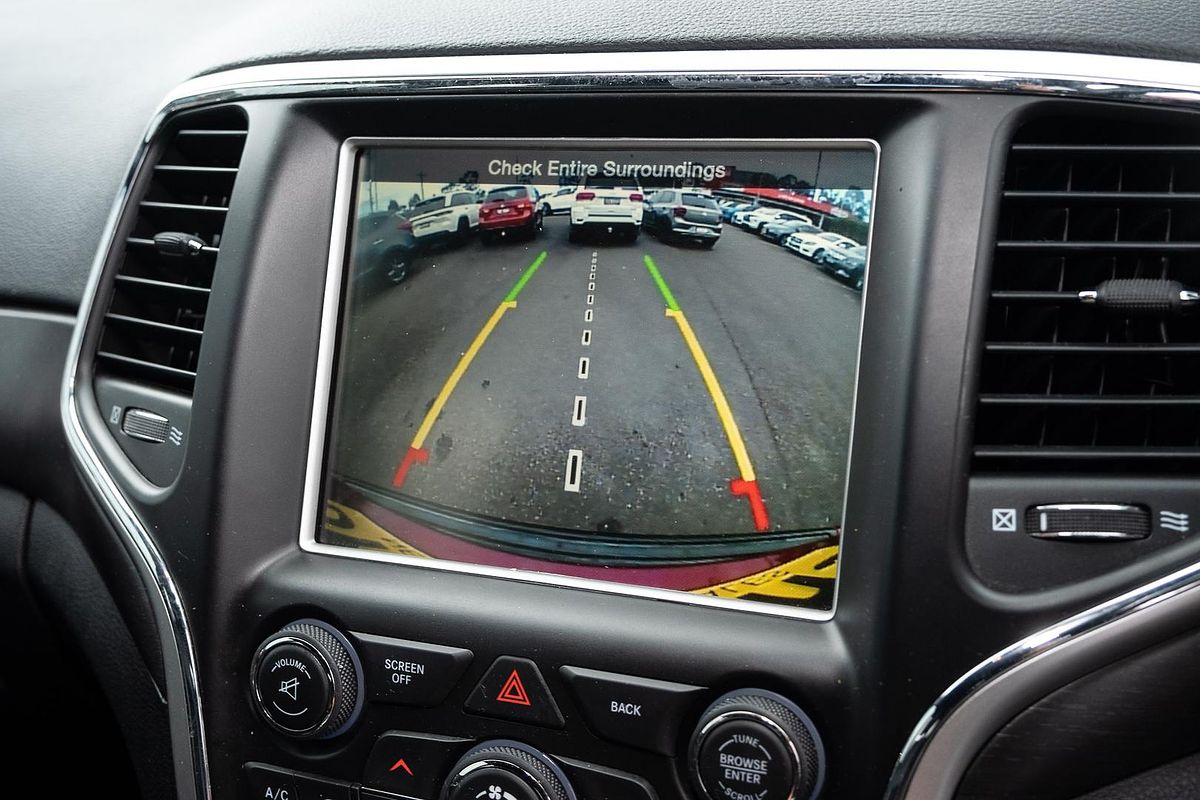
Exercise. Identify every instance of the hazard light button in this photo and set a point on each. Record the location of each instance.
(513, 689)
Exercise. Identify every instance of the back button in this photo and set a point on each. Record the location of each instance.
(641, 712)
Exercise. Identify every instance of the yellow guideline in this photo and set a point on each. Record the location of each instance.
(718, 396)
(448, 387)
(776, 581)
(346, 521)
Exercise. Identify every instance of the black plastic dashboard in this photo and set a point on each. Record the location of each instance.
(912, 616)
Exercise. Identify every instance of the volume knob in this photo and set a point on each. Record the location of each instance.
(306, 681)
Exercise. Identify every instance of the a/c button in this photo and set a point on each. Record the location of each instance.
(640, 712)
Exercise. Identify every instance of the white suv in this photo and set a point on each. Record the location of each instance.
(558, 202)
(607, 205)
(814, 245)
(757, 218)
(453, 213)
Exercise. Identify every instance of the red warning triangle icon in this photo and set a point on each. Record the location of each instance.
(514, 691)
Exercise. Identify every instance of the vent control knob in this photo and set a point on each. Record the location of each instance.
(504, 770)
(306, 681)
(754, 743)
(173, 243)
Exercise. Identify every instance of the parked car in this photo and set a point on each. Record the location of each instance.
(384, 250)
(814, 245)
(756, 219)
(558, 202)
(510, 211)
(739, 218)
(731, 207)
(449, 214)
(683, 215)
(778, 231)
(847, 263)
(607, 205)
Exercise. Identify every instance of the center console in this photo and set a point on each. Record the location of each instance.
(599, 370)
(530, 458)
(601, 435)
(310, 682)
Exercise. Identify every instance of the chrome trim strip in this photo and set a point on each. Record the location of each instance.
(1087, 507)
(1084, 536)
(1011, 71)
(314, 480)
(923, 769)
(184, 708)
(1096, 77)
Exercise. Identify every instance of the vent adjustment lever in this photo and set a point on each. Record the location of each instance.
(174, 243)
(146, 425)
(1142, 297)
(1088, 522)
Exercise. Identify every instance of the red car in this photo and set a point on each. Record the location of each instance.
(509, 211)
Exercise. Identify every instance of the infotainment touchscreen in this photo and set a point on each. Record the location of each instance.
(625, 365)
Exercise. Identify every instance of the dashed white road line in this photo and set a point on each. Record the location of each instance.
(574, 471)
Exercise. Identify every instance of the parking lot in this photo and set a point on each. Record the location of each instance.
(578, 400)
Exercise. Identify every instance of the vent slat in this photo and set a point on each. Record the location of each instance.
(1084, 246)
(1099, 348)
(182, 206)
(1085, 453)
(1105, 149)
(191, 132)
(154, 325)
(1085, 400)
(1107, 386)
(150, 366)
(165, 286)
(1034, 297)
(148, 323)
(1101, 197)
(192, 169)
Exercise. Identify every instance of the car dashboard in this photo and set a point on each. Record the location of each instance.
(629, 424)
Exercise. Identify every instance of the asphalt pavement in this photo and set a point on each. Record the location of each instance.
(582, 404)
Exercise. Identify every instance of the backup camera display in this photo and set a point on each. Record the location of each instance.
(626, 362)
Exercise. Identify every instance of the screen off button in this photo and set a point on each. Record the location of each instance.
(409, 673)
(640, 712)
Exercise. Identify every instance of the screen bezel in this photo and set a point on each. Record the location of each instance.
(332, 317)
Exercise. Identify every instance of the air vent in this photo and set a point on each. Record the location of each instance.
(154, 324)
(1084, 367)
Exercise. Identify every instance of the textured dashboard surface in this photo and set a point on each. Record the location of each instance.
(80, 80)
